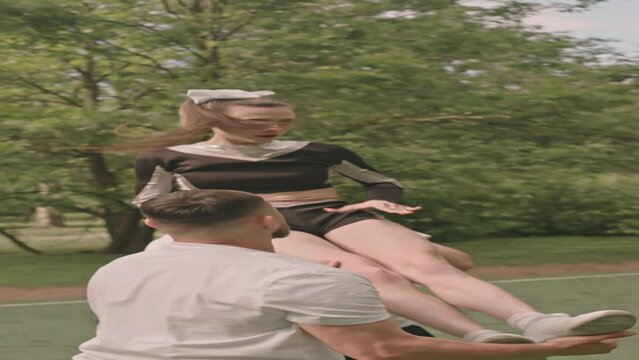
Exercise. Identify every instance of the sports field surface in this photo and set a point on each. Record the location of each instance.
(52, 330)
(43, 314)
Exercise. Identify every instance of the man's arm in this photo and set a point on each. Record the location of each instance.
(384, 340)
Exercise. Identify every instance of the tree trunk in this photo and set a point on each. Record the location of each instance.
(46, 216)
(128, 234)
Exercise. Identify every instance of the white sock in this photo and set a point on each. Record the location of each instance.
(474, 335)
(522, 320)
(496, 337)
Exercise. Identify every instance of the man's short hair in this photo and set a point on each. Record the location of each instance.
(200, 207)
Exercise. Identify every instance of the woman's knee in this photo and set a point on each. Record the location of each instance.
(457, 258)
(430, 262)
(437, 257)
(376, 273)
(460, 260)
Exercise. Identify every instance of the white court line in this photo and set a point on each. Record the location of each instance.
(44, 303)
(564, 278)
(495, 281)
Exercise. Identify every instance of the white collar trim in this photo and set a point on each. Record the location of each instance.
(242, 152)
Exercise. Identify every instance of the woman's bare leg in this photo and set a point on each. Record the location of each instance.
(409, 254)
(456, 258)
(398, 294)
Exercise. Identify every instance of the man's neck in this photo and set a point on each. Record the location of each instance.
(247, 243)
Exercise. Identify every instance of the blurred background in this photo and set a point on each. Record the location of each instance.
(496, 125)
(513, 123)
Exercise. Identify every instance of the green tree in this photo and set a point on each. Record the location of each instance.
(486, 122)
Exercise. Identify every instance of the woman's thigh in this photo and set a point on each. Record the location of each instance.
(387, 243)
(313, 248)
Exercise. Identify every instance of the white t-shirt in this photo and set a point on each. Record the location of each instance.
(167, 239)
(199, 301)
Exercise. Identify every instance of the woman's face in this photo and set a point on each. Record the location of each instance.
(270, 123)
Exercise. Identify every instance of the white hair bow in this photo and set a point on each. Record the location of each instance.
(200, 96)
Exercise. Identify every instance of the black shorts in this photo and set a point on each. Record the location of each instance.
(312, 219)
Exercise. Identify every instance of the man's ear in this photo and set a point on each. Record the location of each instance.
(268, 222)
(150, 223)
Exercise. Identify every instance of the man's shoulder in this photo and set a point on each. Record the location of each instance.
(285, 268)
(262, 267)
(257, 258)
(117, 266)
(287, 264)
(316, 294)
(124, 260)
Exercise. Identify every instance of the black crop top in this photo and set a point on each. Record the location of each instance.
(279, 166)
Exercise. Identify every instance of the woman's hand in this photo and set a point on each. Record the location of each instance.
(381, 205)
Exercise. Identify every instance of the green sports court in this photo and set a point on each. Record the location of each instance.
(52, 330)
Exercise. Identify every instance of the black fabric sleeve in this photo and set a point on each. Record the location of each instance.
(384, 191)
(145, 165)
(152, 179)
(377, 185)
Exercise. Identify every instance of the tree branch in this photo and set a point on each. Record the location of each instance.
(167, 7)
(32, 100)
(125, 102)
(460, 117)
(147, 57)
(126, 63)
(19, 243)
(155, 32)
(184, 5)
(234, 30)
(67, 100)
(104, 76)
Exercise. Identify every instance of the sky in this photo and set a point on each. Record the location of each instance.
(617, 20)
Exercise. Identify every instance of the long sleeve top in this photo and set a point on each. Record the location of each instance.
(275, 167)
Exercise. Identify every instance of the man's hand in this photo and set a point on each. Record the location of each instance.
(381, 205)
(583, 345)
(332, 263)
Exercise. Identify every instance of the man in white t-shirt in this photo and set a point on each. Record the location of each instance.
(407, 325)
(218, 292)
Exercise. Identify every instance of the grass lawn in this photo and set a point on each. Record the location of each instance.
(67, 261)
(25, 270)
(70, 254)
(53, 331)
(548, 250)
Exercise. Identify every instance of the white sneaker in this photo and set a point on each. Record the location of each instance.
(554, 326)
(496, 337)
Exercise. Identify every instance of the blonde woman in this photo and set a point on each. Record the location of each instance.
(244, 154)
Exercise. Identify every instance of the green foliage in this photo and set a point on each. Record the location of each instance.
(495, 128)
